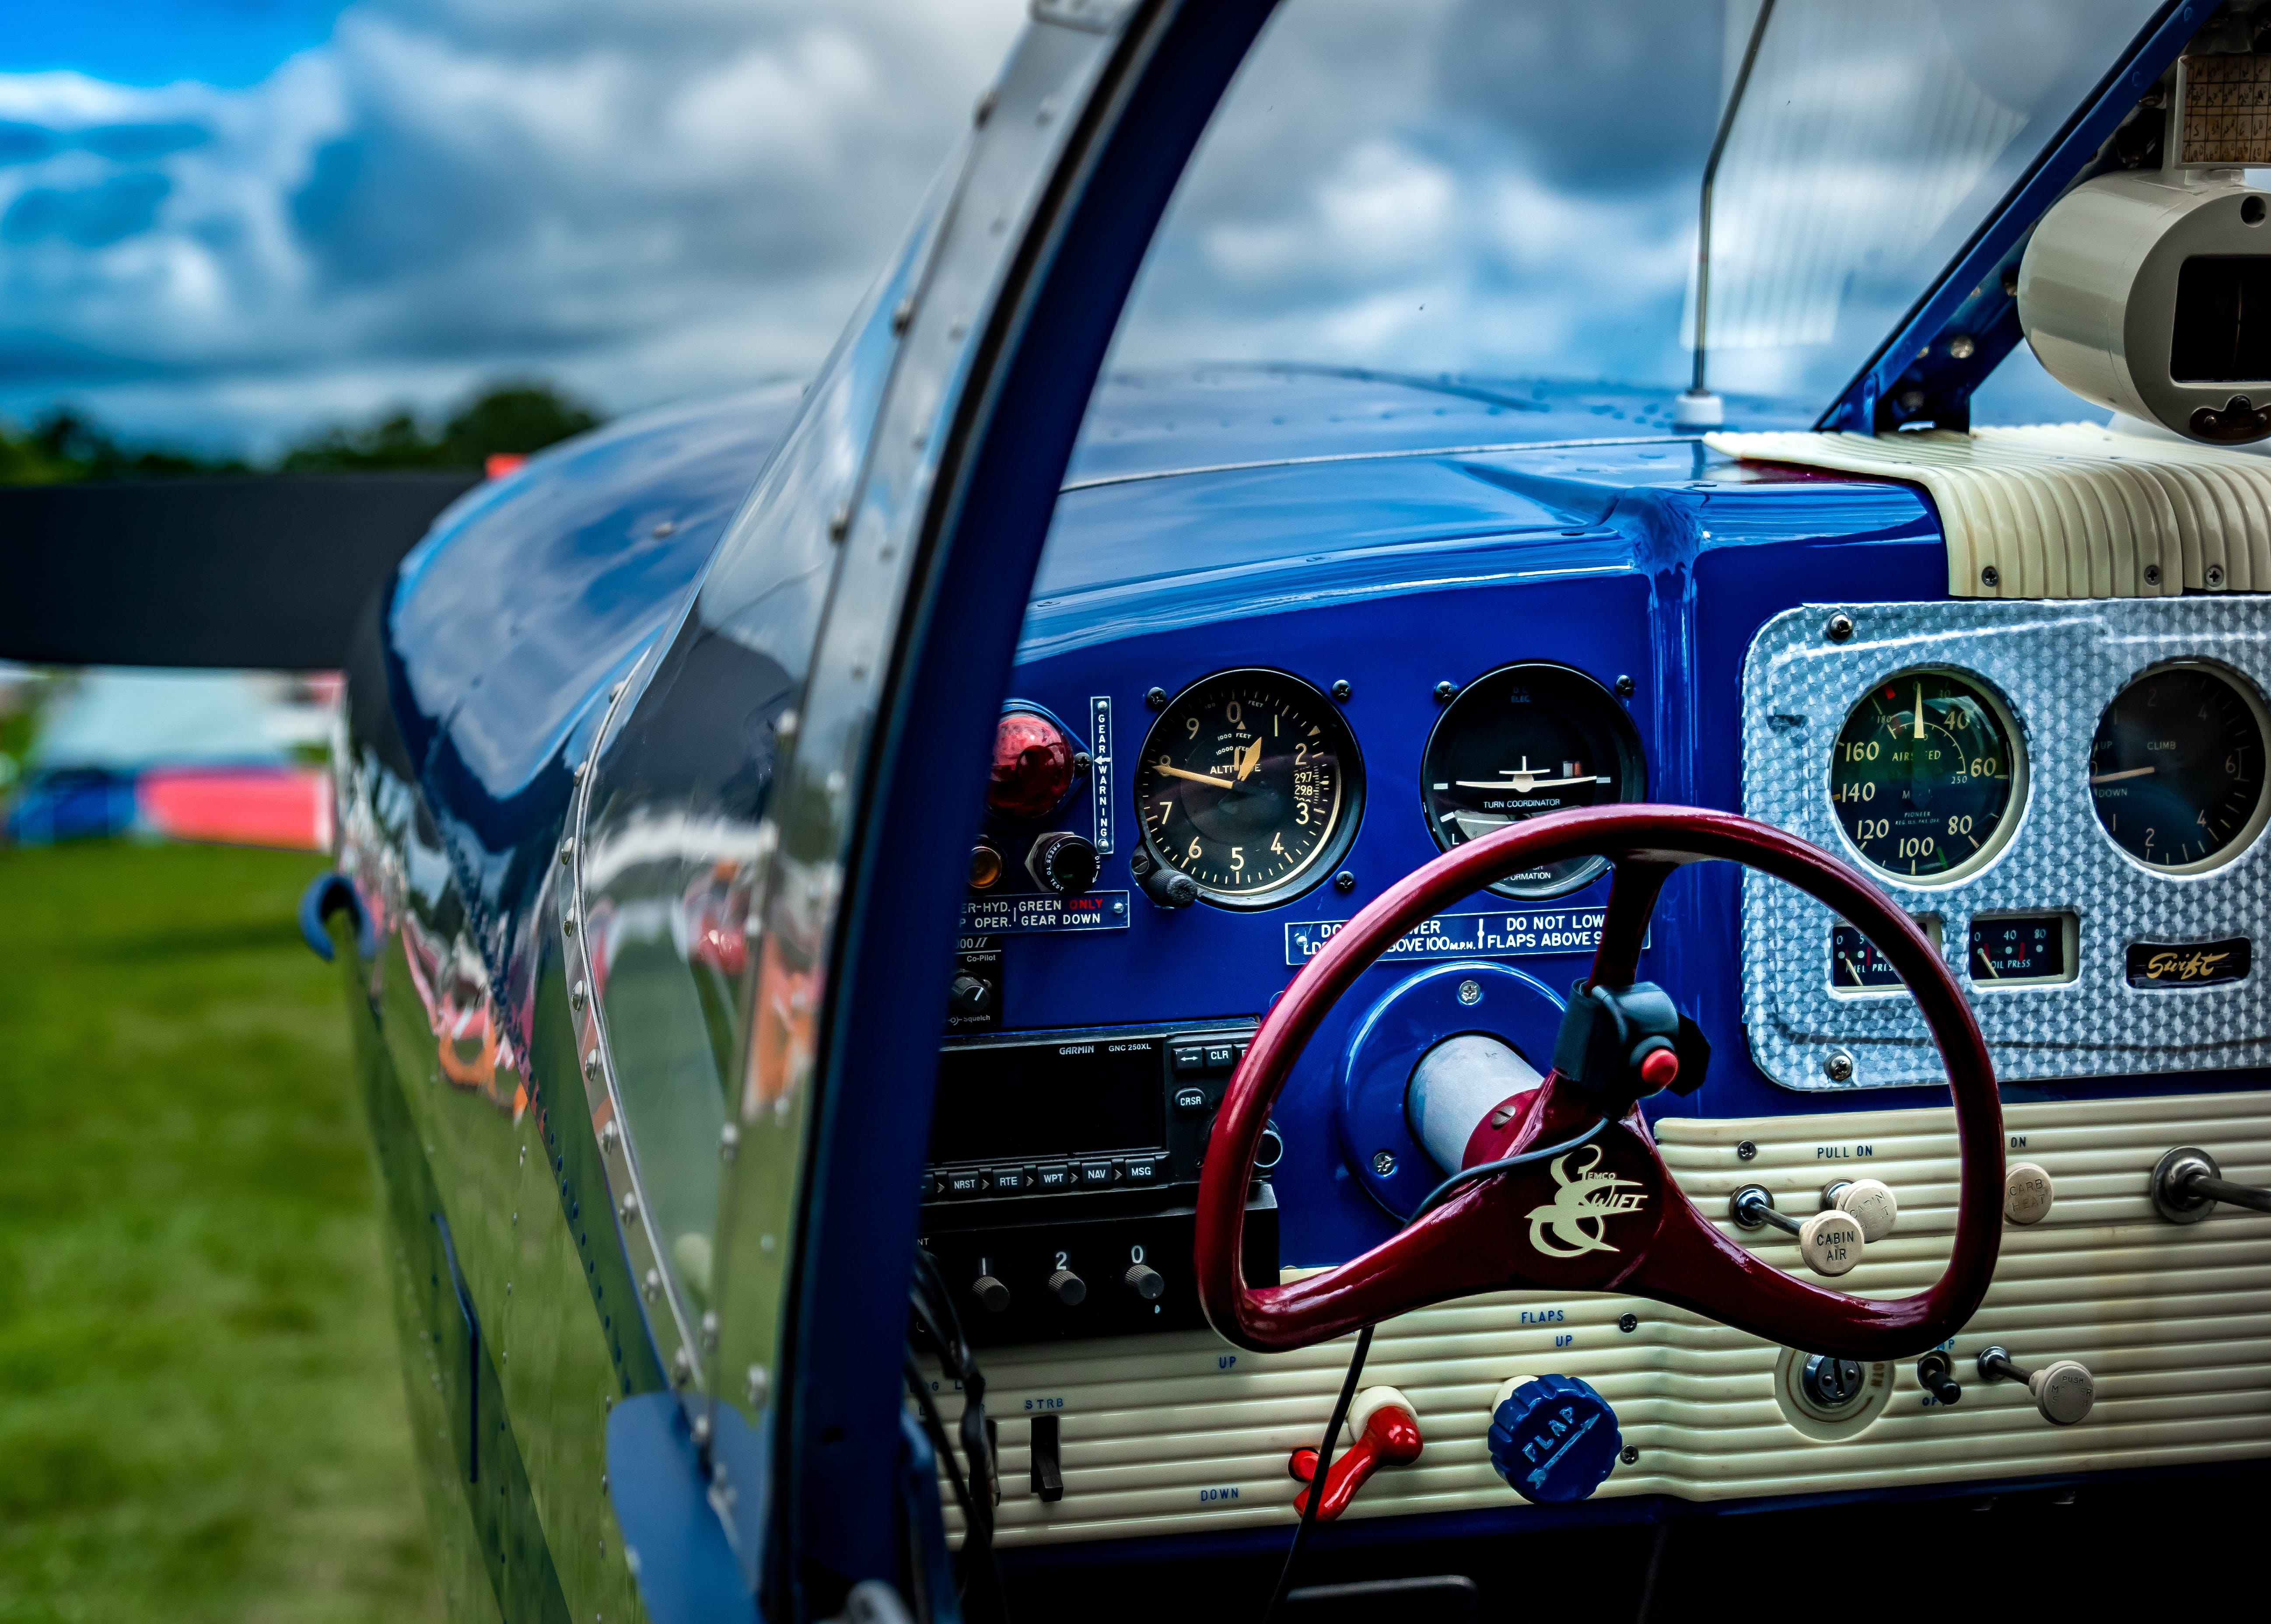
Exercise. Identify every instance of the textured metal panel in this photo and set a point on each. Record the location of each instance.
(2058, 666)
(1180, 1433)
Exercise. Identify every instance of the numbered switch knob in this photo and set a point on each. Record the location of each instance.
(1869, 1202)
(990, 1293)
(1553, 1438)
(2027, 1193)
(2064, 1390)
(1068, 1288)
(1145, 1281)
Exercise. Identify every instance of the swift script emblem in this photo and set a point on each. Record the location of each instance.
(1580, 1212)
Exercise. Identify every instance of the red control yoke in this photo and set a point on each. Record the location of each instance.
(1606, 1217)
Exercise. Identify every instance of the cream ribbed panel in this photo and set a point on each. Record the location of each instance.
(1160, 1436)
(2065, 509)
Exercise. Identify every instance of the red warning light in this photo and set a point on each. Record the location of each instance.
(1033, 766)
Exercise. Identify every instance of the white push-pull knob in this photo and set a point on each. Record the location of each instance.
(1830, 1242)
(1870, 1203)
(2064, 1390)
(2027, 1193)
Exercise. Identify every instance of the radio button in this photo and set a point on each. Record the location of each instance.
(1144, 1169)
(1189, 1060)
(1220, 1057)
(1190, 1101)
(1097, 1175)
(930, 1186)
(1054, 1176)
(961, 1183)
(1011, 1180)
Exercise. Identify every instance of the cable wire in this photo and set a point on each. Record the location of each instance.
(1317, 1479)
(1443, 1192)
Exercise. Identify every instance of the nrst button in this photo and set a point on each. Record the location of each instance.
(1190, 1101)
(963, 1183)
(1096, 1175)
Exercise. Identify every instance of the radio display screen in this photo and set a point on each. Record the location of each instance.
(1048, 1099)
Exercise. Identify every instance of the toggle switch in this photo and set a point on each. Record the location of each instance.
(1045, 1473)
(1936, 1374)
(2187, 1185)
(1386, 1434)
(2063, 1391)
(1869, 1202)
(2027, 1193)
(1830, 1242)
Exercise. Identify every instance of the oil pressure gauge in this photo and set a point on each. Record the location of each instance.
(1523, 741)
(1928, 776)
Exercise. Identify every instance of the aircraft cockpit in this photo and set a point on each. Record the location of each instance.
(1168, 947)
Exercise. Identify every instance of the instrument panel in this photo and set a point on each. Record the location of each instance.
(2071, 799)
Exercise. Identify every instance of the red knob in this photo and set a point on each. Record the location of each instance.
(1389, 1436)
(1660, 1068)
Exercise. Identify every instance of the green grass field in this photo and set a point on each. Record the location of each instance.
(201, 1411)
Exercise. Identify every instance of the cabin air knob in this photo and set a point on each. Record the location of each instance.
(1553, 1438)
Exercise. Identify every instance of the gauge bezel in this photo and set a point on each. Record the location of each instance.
(2021, 780)
(2251, 830)
(1632, 771)
(1330, 850)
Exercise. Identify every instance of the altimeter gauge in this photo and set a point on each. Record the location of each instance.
(1250, 783)
(1928, 776)
(2176, 771)
(1522, 740)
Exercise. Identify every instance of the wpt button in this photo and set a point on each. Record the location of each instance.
(1054, 1176)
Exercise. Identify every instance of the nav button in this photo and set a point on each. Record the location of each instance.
(1097, 1175)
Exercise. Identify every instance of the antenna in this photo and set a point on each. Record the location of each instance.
(1699, 407)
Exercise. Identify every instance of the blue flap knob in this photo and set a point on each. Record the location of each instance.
(1554, 1440)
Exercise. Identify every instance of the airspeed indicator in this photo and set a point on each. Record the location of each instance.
(1928, 776)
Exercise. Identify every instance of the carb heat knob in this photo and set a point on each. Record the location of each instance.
(1145, 1281)
(2064, 1390)
(1068, 1288)
(1063, 862)
(1553, 1438)
(2027, 1193)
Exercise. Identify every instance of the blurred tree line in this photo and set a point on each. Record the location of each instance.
(504, 420)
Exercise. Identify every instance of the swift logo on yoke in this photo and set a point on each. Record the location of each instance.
(1580, 1212)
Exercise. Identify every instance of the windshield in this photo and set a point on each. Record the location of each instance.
(1507, 188)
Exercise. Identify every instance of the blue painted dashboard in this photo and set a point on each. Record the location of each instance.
(1299, 519)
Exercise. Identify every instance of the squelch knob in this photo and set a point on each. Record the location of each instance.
(991, 1292)
(1068, 1288)
(1145, 1281)
(969, 996)
(1553, 1438)
(1063, 862)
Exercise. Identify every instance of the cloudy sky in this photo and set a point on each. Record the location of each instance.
(223, 222)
